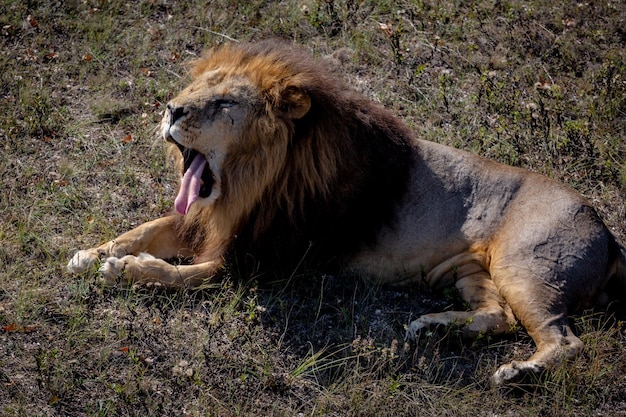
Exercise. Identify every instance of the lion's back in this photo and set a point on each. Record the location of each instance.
(459, 203)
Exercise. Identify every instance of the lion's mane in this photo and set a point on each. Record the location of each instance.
(327, 181)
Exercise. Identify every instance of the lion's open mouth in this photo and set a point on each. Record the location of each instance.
(197, 179)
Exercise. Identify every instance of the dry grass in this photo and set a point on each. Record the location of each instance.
(534, 84)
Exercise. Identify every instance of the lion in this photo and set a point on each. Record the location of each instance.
(280, 161)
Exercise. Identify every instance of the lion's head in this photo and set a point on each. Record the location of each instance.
(229, 110)
(267, 139)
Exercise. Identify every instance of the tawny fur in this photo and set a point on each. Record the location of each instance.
(302, 165)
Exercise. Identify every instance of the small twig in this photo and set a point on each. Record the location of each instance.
(223, 35)
(173, 73)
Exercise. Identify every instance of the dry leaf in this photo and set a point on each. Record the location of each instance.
(10, 327)
(569, 22)
(51, 55)
(543, 83)
(32, 21)
(15, 328)
(147, 72)
(386, 28)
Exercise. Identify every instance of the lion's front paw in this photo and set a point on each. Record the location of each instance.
(83, 261)
(125, 270)
(112, 270)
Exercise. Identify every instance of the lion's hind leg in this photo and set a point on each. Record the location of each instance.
(555, 343)
(488, 311)
(543, 314)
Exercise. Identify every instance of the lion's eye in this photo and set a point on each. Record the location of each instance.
(223, 104)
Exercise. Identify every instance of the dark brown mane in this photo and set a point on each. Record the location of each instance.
(347, 166)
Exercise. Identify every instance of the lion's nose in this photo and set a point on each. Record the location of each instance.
(176, 112)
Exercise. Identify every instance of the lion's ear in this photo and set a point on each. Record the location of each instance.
(295, 103)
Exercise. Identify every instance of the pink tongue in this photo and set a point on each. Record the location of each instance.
(190, 185)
